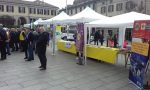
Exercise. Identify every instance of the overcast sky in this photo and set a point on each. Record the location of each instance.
(58, 3)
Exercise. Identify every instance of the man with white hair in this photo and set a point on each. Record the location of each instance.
(3, 38)
(41, 45)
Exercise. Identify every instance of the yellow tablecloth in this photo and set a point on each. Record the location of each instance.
(61, 45)
(102, 53)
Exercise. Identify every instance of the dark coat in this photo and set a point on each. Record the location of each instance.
(42, 40)
(96, 36)
(3, 35)
(29, 38)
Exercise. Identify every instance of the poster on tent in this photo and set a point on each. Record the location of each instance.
(58, 32)
(80, 37)
(140, 52)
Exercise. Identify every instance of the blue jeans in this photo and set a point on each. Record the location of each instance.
(30, 52)
(7, 48)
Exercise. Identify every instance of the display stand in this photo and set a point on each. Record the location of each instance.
(140, 54)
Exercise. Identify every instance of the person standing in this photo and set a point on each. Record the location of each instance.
(29, 39)
(101, 38)
(3, 38)
(96, 38)
(22, 39)
(16, 39)
(25, 46)
(8, 42)
(115, 41)
(12, 39)
(41, 45)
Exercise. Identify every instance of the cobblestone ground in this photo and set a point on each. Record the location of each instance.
(62, 74)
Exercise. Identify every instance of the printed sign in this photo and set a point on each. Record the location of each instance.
(141, 29)
(140, 48)
(140, 51)
(67, 44)
(137, 69)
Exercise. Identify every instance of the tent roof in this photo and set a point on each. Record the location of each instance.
(56, 19)
(87, 15)
(126, 20)
(37, 21)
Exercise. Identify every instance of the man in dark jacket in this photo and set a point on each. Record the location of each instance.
(3, 38)
(12, 39)
(41, 45)
(29, 41)
(96, 38)
(101, 38)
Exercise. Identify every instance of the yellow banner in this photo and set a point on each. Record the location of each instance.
(140, 48)
(58, 28)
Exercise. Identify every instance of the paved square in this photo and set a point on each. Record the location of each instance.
(62, 74)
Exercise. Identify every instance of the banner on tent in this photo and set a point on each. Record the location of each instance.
(141, 29)
(80, 37)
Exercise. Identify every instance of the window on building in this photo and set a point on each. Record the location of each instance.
(1, 8)
(103, 9)
(55, 12)
(80, 9)
(71, 11)
(75, 10)
(52, 12)
(103, 2)
(9, 8)
(32, 10)
(130, 5)
(93, 6)
(21, 9)
(40, 11)
(119, 6)
(46, 12)
(110, 8)
(111, 1)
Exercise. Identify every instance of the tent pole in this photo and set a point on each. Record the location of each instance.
(85, 41)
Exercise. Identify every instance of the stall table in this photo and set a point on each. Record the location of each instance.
(102, 53)
(66, 46)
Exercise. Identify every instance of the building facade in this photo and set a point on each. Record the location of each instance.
(21, 12)
(110, 7)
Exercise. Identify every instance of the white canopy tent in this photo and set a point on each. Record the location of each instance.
(56, 20)
(37, 21)
(120, 21)
(87, 15)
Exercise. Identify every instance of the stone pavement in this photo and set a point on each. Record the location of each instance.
(62, 74)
